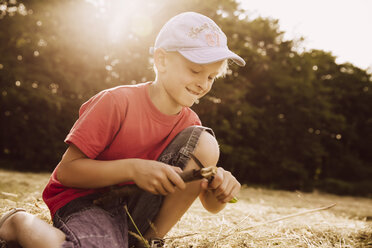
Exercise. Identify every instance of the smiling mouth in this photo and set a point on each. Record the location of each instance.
(193, 92)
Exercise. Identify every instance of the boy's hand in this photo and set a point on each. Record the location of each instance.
(224, 186)
(158, 178)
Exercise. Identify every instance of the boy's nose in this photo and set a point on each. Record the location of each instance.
(203, 84)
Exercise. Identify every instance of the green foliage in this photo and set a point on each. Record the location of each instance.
(341, 187)
(288, 119)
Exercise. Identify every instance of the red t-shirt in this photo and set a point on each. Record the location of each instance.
(118, 123)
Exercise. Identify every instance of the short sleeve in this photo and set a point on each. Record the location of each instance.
(197, 121)
(99, 121)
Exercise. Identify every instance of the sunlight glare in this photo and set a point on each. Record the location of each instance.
(141, 25)
(123, 17)
(339, 26)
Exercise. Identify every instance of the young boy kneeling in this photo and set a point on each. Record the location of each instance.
(142, 134)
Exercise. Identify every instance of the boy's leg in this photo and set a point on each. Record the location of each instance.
(28, 230)
(88, 225)
(164, 212)
(175, 205)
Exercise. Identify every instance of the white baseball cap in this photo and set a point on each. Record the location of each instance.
(197, 38)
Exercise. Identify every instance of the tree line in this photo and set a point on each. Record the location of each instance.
(289, 119)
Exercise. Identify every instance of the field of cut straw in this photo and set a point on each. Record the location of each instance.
(257, 220)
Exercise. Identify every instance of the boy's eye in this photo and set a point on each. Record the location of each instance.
(194, 71)
(210, 78)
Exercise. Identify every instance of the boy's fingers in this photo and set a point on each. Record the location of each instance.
(160, 189)
(168, 186)
(177, 169)
(228, 188)
(224, 191)
(176, 179)
(233, 192)
(204, 184)
(221, 190)
(218, 179)
(227, 194)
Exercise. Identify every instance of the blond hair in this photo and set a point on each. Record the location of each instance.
(223, 69)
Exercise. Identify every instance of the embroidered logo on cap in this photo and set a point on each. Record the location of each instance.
(212, 37)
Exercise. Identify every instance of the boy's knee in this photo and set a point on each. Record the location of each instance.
(19, 218)
(207, 149)
(10, 228)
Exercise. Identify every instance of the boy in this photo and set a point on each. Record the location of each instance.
(143, 134)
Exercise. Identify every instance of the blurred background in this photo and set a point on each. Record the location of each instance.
(292, 118)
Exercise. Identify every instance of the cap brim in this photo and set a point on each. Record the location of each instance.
(211, 55)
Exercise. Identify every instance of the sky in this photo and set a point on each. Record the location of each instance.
(343, 27)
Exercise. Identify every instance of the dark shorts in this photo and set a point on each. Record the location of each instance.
(88, 225)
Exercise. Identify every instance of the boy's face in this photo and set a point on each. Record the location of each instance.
(184, 81)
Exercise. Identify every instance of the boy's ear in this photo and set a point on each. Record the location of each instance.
(160, 59)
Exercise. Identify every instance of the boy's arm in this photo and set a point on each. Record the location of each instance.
(79, 171)
(221, 190)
